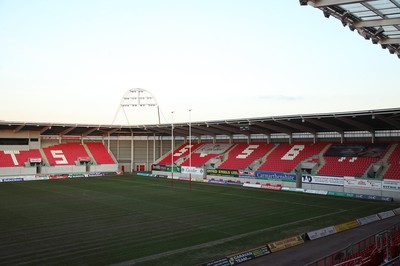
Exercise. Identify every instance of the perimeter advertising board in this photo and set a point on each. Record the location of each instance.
(238, 258)
(351, 182)
(286, 243)
(192, 170)
(323, 180)
(248, 255)
(165, 168)
(330, 230)
(277, 176)
(247, 174)
(393, 185)
(346, 226)
(223, 172)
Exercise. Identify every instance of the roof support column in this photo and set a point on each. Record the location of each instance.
(154, 148)
(117, 148)
(161, 147)
(147, 153)
(132, 152)
(108, 141)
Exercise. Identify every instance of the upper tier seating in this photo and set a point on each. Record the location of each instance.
(65, 154)
(180, 152)
(394, 161)
(100, 153)
(18, 158)
(285, 157)
(243, 154)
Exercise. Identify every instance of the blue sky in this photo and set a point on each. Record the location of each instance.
(69, 61)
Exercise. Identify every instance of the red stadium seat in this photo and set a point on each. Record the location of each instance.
(99, 153)
(18, 158)
(393, 171)
(285, 157)
(243, 154)
(181, 152)
(353, 165)
(65, 154)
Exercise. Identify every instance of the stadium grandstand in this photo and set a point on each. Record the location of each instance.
(348, 154)
(357, 145)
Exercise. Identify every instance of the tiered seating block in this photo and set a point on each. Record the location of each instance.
(65, 154)
(346, 166)
(394, 160)
(17, 158)
(285, 157)
(99, 153)
(243, 154)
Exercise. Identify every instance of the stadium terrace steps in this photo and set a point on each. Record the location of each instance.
(18, 158)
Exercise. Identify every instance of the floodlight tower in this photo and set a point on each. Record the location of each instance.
(136, 98)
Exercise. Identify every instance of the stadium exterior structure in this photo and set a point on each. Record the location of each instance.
(138, 147)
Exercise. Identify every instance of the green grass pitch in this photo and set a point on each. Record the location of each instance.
(147, 221)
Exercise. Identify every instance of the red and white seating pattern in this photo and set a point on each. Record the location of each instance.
(65, 154)
(243, 154)
(206, 152)
(180, 152)
(18, 158)
(285, 157)
(346, 166)
(198, 159)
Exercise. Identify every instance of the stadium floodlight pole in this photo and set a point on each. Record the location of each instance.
(172, 149)
(190, 149)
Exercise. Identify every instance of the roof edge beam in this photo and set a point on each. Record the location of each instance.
(390, 41)
(377, 22)
(325, 3)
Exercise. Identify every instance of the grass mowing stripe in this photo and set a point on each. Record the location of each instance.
(105, 220)
(217, 242)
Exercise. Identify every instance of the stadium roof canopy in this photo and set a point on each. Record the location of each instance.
(375, 20)
(361, 121)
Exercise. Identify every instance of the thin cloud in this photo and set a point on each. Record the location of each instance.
(283, 98)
